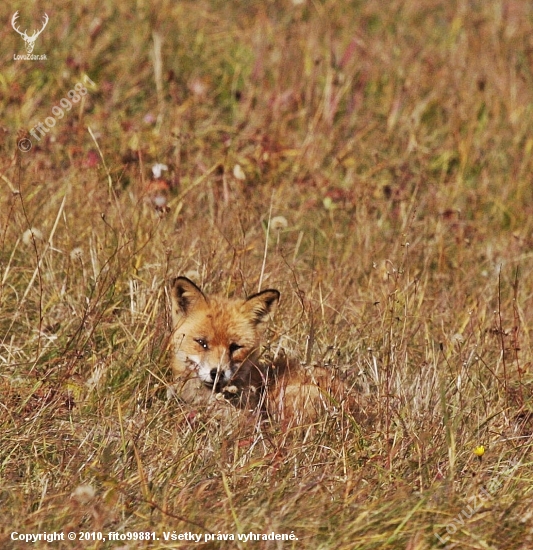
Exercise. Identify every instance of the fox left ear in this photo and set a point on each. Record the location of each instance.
(185, 297)
(261, 304)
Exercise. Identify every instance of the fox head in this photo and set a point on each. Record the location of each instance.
(213, 337)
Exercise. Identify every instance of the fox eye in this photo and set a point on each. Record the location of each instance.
(233, 348)
(201, 342)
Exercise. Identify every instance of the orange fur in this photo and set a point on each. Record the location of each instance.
(216, 353)
(296, 394)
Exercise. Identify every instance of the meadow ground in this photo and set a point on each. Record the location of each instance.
(373, 161)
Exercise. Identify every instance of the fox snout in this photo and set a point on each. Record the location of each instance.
(215, 376)
(219, 377)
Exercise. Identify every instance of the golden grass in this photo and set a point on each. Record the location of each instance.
(396, 142)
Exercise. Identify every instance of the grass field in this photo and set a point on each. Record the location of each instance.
(371, 160)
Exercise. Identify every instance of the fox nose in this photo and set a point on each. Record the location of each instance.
(213, 374)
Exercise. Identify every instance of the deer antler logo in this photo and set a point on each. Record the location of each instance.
(30, 40)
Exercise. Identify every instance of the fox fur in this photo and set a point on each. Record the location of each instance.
(216, 354)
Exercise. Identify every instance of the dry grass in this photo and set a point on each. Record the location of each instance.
(396, 142)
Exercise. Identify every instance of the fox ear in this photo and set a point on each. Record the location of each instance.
(185, 297)
(261, 304)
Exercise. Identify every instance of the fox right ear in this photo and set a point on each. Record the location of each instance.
(261, 304)
(185, 296)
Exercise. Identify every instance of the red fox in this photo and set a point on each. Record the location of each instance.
(216, 351)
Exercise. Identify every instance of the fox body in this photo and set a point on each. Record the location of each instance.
(216, 352)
